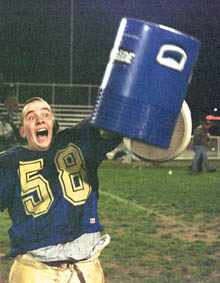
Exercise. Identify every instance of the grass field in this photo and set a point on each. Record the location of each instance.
(164, 227)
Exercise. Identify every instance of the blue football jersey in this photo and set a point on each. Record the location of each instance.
(52, 195)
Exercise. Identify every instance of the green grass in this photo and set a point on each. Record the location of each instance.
(164, 228)
(5, 260)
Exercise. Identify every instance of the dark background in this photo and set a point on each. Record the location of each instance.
(35, 41)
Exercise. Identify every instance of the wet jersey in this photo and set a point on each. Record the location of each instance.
(52, 195)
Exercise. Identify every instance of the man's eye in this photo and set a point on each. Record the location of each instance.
(31, 118)
(46, 115)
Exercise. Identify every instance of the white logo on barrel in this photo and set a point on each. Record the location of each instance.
(122, 56)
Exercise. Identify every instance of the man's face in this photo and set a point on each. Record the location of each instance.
(37, 125)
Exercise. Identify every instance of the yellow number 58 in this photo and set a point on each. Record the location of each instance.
(72, 177)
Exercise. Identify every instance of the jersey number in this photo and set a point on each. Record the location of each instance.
(72, 176)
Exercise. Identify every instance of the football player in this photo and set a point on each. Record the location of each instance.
(50, 188)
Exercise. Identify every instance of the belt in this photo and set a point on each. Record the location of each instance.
(59, 263)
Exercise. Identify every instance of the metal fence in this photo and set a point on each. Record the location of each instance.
(72, 94)
(85, 95)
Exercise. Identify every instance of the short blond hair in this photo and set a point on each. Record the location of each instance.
(32, 99)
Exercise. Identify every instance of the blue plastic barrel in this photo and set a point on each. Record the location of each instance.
(145, 81)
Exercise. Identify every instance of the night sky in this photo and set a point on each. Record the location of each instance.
(35, 41)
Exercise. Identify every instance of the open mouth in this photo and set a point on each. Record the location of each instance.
(42, 133)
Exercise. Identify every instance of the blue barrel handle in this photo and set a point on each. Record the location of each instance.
(171, 62)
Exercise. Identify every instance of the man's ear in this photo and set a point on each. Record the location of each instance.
(55, 127)
(21, 132)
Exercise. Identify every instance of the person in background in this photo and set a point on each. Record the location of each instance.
(7, 137)
(201, 142)
(50, 188)
(11, 105)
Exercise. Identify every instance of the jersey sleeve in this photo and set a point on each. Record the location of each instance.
(96, 142)
(102, 140)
